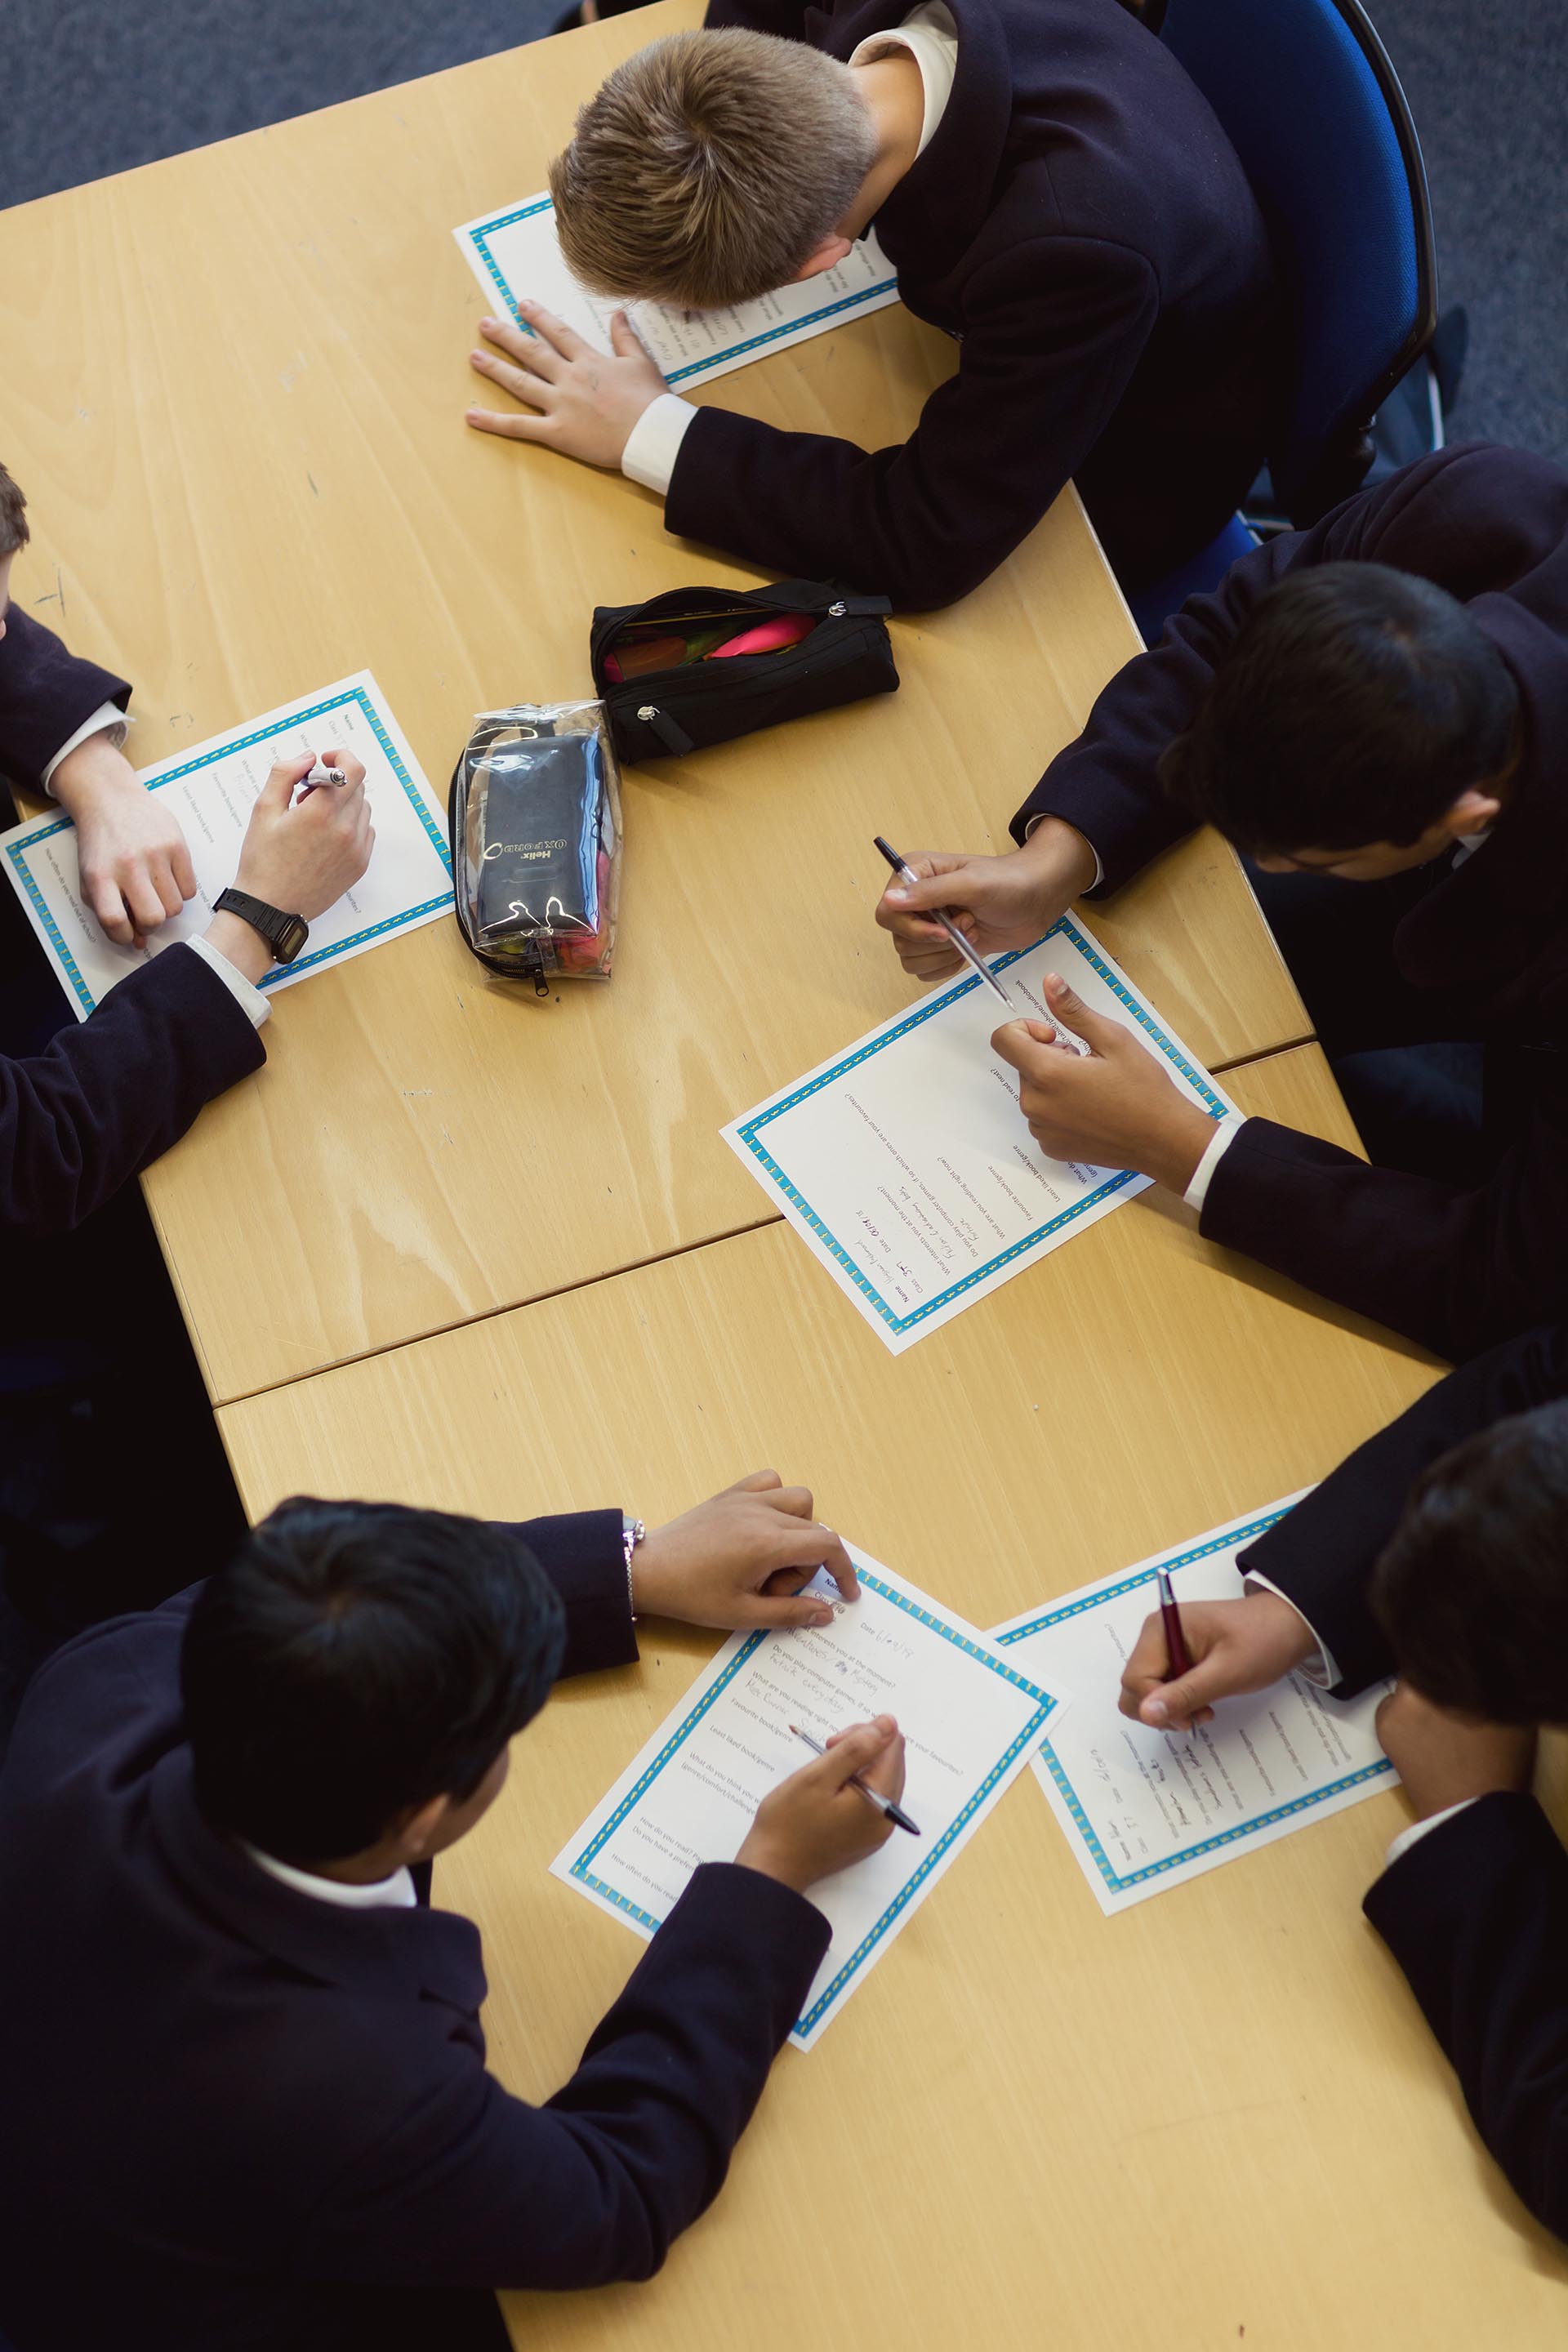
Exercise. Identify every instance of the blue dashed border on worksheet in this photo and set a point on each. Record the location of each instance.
(582, 1870)
(750, 1130)
(18, 850)
(1231, 1539)
(846, 303)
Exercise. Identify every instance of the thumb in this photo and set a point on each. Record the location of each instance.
(790, 1614)
(1174, 1705)
(937, 888)
(1073, 1013)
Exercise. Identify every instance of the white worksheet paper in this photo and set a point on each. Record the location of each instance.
(971, 1719)
(516, 252)
(1144, 1810)
(905, 1163)
(211, 789)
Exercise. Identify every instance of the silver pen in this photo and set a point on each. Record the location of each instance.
(321, 774)
(895, 1813)
(971, 955)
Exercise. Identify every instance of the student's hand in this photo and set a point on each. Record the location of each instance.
(1235, 1646)
(738, 1560)
(587, 400)
(998, 902)
(1112, 1107)
(135, 867)
(1445, 1760)
(814, 1823)
(298, 856)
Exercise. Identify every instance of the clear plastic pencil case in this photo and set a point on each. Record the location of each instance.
(536, 817)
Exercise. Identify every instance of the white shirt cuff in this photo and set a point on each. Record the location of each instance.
(250, 1000)
(107, 719)
(1224, 1136)
(650, 454)
(1320, 1669)
(1098, 864)
(1417, 1830)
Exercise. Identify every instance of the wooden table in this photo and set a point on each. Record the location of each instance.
(1216, 2120)
(234, 385)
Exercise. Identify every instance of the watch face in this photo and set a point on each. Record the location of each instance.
(292, 939)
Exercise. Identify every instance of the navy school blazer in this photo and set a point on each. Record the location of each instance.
(109, 1095)
(1475, 1912)
(237, 2115)
(1081, 225)
(1457, 1268)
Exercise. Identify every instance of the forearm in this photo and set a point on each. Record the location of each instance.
(1477, 1916)
(1456, 1270)
(109, 1096)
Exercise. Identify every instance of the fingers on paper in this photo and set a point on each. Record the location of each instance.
(109, 906)
(561, 339)
(184, 872)
(283, 777)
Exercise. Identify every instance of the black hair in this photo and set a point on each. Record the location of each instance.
(356, 1659)
(1472, 1592)
(1355, 705)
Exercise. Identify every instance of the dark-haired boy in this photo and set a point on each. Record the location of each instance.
(246, 2094)
(1439, 1552)
(1052, 190)
(1375, 710)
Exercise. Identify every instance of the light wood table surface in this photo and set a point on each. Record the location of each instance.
(1214, 2121)
(235, 387)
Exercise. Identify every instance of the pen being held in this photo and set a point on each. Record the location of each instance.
(894, 1812)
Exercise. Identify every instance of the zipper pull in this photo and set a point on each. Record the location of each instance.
(673, 736)
(836, 611)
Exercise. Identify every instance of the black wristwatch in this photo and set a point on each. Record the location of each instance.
(284, 934)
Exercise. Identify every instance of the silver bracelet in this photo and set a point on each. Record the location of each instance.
(632, 1533)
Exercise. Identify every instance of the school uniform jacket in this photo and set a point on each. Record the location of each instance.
(236, 2115)
(1081, 222)
(1454, 1268)
(1476, 1912)
(110, 1094)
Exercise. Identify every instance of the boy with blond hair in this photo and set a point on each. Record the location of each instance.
(1053, 192)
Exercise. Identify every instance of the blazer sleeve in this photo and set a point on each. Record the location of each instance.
(1482, 521)
(1455, 1270)
(1321, 1555)
(110, 1094)
(581, 1554)
(786, 19)
(45, 695)
(1475, 1912)
(456, 2184)
(1053, 332)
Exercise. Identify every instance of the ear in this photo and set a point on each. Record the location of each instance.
(417, 1835)
(827, 256)
(1471, 813)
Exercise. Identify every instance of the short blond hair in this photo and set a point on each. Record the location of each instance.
(708, 167)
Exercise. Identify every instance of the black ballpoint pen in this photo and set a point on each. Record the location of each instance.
(895, 1813)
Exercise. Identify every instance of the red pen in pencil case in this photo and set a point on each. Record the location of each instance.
(536, 837)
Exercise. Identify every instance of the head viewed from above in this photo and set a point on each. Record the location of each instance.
(1472, 1592)
(14, 535)
(351, 1678)
(711, 168)
(1358, 725)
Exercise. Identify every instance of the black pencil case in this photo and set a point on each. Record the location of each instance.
(846, 655)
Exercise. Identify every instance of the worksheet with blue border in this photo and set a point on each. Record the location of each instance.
(211, 788)
(1144, 1810)
(971, 1717)
(905, 1164)
(515, 252)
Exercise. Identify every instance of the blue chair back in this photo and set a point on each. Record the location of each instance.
(1307, 95)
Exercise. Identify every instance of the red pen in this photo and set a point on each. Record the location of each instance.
(1176, 1657)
